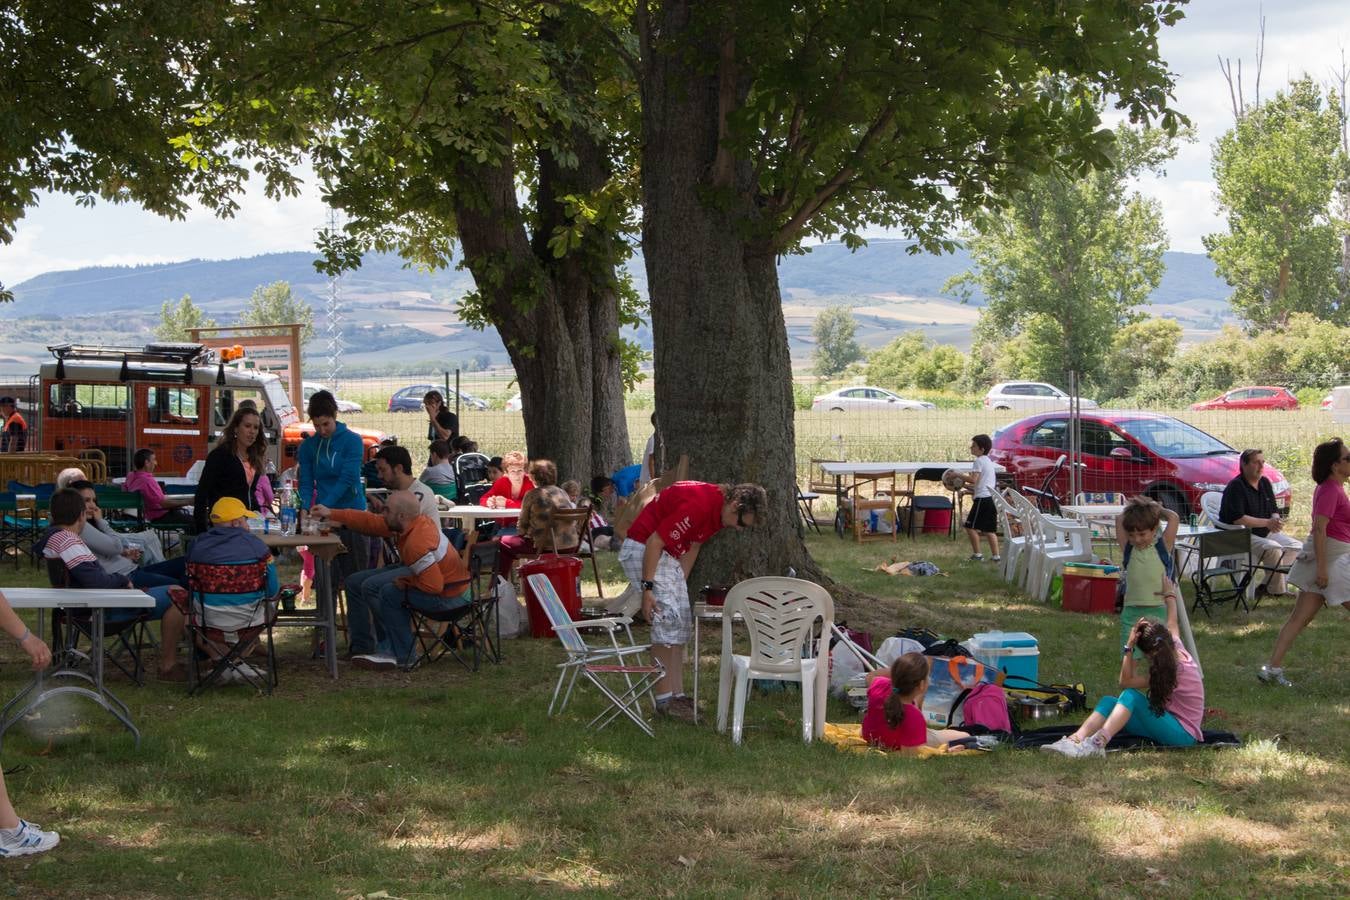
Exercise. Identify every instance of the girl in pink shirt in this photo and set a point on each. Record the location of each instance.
(1168, 714)
(1322, 569)
(894, 717)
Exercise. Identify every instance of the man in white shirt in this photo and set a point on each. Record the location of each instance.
(982, 519)
(394, 466)
(649, 458)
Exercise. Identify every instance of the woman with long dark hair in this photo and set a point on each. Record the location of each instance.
(1322, 568)
(1164, 705)
(233, 468)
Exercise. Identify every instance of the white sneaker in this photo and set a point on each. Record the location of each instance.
(1087, 747)
(1058, 746)
(1273, 675)
(27, 839)
(374, 662)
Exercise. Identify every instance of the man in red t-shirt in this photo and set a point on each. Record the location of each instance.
(658, 555)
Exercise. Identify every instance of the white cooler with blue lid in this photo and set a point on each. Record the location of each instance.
(1011, 652)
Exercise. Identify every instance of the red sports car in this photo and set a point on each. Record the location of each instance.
(1251, 398)
(1126, 452)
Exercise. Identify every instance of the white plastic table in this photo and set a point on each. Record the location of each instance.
(838, 470)
(325, 548)
(66, 664)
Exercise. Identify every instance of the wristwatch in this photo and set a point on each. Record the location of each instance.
(647, 585)
(1126, 650)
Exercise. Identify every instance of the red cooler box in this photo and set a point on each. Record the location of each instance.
(1090, 589)
(565, 573)
(936, 521)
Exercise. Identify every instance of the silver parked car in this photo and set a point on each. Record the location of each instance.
(1033, 395)
(864, 398)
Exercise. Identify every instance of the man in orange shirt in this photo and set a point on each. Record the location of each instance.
(14, 437)
(437, 579)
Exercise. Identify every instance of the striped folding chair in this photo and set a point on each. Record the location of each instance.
(599, 664)
(228, 611)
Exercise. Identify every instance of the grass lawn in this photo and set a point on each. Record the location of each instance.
(444, 783)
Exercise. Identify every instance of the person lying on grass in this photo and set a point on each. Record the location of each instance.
(894, 717)
(1169, 713)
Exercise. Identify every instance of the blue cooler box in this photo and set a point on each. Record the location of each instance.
(1012, 652)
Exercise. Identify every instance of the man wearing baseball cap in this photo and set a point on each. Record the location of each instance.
(14, 436)
(229, 542)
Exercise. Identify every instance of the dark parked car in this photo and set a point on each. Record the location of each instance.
(409, 399)
(1127, 452)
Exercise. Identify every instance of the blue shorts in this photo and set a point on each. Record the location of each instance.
(162, 604)
(1165, 729)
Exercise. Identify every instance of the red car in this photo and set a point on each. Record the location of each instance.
(1126, 452)
(1252, 398)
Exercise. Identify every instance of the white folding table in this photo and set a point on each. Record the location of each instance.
(69, 663)
(838, 470)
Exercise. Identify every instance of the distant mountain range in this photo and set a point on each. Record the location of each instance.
(397, 315)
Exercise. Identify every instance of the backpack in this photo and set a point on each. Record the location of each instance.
(1161, 548)
(925, 636)
(984, 705)
(949, 647)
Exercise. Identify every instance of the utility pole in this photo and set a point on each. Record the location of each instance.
(333, 315)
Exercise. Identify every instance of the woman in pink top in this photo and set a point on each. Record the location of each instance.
(1168, 714)
(142, 480)
(894, 717)
(1322, 569)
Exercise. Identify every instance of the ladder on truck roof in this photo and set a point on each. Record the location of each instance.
(182, 354)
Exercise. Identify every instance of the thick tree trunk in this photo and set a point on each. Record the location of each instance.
(558, 319)
(723, 372)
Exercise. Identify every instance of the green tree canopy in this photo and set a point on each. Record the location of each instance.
(275, 304)
(177, 318)
(1069, 260)
(836, 348)
(1140, 351)
(912, 360)
(1277, 170)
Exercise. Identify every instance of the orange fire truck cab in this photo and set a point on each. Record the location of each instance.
(174, 399)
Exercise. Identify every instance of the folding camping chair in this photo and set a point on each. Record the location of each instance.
(596, 663)
(926, 503)
(228, 612)
(121, 638)
(1223, 568)
(440, 632)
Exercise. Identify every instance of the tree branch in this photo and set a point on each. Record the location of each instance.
(788, 232)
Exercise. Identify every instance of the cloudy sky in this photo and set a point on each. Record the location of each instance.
(1301, 35)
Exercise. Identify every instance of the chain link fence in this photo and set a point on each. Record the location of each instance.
(1173, 453)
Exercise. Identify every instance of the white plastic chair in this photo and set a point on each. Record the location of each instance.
(1059, 541)
(597, 663)
(1013, 545)
(781, 615)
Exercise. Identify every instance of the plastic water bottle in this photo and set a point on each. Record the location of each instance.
(287, 510)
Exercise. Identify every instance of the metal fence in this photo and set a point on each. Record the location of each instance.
(1167, 446)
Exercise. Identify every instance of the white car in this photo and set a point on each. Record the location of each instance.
(1034, 395)
(309, 389)
(513, 405)
(864, 398)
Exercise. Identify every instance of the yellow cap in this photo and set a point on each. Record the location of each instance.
(227, 509)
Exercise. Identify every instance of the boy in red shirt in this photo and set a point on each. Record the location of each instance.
(657, 556)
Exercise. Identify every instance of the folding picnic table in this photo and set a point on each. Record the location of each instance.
(67, 664)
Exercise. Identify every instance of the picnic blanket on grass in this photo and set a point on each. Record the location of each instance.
(1031, 740)
(848, 738)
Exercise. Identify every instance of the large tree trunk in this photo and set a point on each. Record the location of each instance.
(558, 319)
(723, 372)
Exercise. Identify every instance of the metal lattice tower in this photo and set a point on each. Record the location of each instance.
(333, 315)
